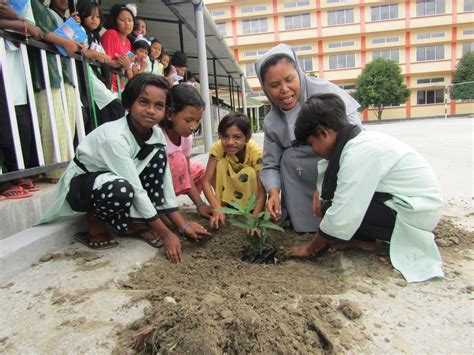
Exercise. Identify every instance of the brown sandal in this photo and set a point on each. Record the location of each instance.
(97, 241)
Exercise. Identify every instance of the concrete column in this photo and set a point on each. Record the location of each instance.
(203, 74)
(244, 99)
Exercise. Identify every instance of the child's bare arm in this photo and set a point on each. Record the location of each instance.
(69, 45)
(22, 26)
(261, 197)
(203, 209)
(217, 218)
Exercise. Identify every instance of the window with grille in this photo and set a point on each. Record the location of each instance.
(429, 7)
(468, 5)
(384, 12)
(467, 47)
(389, 54)
(340, 17)
(221, 26)
(306, 63)
(251, 9)
(430, 53)
(431, 35)
(340, 61)
(294, 4)
(250, 69)
(430, 80)
(341, 44)
(425, 97)
(217, 13)
(295, 22)
(258, 25)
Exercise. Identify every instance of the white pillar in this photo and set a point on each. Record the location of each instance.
(203, 74)
(244, 100)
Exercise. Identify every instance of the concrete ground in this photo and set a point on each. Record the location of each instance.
(72, 302)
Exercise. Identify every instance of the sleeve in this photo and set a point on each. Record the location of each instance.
(357, 180)
(216, 150)
(187, 145)
(270, 171)
(43, 17)
(110, 43)
(170, 204)
(121, 164)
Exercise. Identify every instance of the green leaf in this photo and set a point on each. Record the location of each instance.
(237, 206)
(238, 223)
(266, 216)
(271, 226)
(251, 203)
(227, 210)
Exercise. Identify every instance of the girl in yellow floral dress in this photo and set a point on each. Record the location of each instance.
(233, 169)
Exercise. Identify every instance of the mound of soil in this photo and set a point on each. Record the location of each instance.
(214, 303)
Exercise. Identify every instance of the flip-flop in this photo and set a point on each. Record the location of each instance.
(139, 236)
(84, 238)
(15, 193)
(28, 185)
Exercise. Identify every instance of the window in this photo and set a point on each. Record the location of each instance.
(339, 61)
(340, 17)
(467, 47)
(295, 22)
(217, 13)
(306, 63)
(384, 40)
(384, 12)
(257, 94)
(430, 81)
(341, 44)
(303, 48)
(255, 26)
(255, 8)
(468, 32)
(429, 7)
(430, 53)
(293, 4)
(390, 54)
(250, 69)
(468, 5)
(336, 1)
(424, 97)
(222, 28)
(431, 35)
(347, 87)
(255, 53)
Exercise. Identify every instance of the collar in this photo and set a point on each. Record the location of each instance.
(145, 148)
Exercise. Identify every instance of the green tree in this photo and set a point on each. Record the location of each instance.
(380, 85)
(464, 74)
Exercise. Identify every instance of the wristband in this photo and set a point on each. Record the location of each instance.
(182, 231)
(202, 203)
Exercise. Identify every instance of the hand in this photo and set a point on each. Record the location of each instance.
(7, 13)
(125, 61)
(217, 218)
(89, 54)
(195, 231)
(172, 248)
(104, 58)
(34, 31)
(204, 210)
(75, 16)
(317, 205)
(274, 206)
(70, 46)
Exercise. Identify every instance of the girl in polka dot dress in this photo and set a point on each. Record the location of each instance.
(120, 176)
(233, 169)
(185, 119)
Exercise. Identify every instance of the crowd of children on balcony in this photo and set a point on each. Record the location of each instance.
(121, 47)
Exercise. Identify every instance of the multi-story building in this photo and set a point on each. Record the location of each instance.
(335, 39)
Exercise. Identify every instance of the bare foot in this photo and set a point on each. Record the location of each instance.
(354, 244)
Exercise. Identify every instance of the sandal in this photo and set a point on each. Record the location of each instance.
(28, 185)
(15, 193)
(140, 235)
(98, 241)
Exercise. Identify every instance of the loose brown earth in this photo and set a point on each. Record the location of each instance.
(213, 303)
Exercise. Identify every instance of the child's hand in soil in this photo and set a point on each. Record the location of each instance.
(172, 248)
(195, 231)
(204, 210)
(217, 219)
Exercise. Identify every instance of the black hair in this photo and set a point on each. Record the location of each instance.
(135, 24)
(168, 68)
(85, 10)
(115, 12)
(179, 59)
(183, 95)
(154, 40)
(235, 119)
(320, 111)
(140, 44)
(274, 60)
(137, 85)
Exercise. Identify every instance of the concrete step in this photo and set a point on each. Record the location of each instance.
(21, 214)
(20, 250)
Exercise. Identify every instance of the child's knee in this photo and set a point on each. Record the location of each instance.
(122, 191)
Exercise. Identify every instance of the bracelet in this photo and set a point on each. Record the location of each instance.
(202, 203)
(183, 230)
